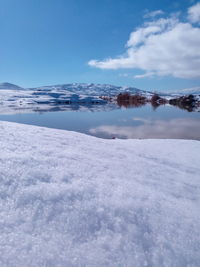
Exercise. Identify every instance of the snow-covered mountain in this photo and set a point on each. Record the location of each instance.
(9, 86)
(80, 89)
(91, 89)
(73, 96)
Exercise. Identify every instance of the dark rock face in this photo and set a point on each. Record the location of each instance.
(156, 101)
(184, 102)
(127, 100)
(189, 103)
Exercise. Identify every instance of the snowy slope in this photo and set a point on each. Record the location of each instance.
(194, 91)
(68, 199)
(92, 89)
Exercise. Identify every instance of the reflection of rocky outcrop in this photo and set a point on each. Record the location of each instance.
(185, 102)
(127, 100)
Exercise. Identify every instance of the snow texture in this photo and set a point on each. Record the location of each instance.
(68, 199)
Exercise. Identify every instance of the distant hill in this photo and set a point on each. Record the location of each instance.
(9, 86)
(187, 91)
(194, 90)
(91, 89)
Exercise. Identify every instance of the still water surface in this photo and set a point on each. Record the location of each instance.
(143, 122)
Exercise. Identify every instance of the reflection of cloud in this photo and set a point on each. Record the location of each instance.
(147, 121)
(173, 129)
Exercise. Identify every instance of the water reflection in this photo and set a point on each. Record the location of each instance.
(184, 128)
(164, 122)
(27, 101)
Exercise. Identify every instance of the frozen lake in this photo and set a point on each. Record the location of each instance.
(143, 122)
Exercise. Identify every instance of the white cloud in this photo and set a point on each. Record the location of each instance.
(161, 47)
(145, 75)
(194, 13)
(153, 14)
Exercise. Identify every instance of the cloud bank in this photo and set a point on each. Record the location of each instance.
(162, 47)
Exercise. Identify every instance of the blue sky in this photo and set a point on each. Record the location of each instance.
(47, 42)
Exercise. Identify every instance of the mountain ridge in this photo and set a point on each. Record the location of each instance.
(89, 89)
(99, 89)
(9, 86)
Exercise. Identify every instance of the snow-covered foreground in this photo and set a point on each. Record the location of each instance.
(69, 199)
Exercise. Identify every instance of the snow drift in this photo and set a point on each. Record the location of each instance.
(68, 199)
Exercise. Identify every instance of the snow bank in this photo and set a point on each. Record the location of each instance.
(68, 199)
